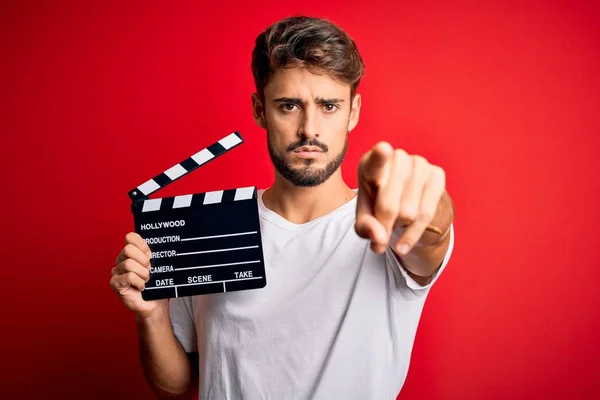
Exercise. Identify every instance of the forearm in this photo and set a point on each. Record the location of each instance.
(164, 362)
(426, 257)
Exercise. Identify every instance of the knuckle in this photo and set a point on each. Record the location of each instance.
(408, 213)
(115, 284)
(440, 173)
(387, 210)
(420, 160)
(134, 280)
(129, 265)
(131, 237)
(400, 153)
(426, 215)
(129, 250)
(419, 164)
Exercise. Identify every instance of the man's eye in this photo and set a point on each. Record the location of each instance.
(330, 107)
(288, 107)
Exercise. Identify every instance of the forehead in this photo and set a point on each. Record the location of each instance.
(301, 83)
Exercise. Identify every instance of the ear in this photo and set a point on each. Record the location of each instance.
(258, 111)
(354, 112)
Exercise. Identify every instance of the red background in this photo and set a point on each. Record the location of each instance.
(98, 98)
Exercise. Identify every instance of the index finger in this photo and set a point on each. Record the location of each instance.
(374, 167)
(135, 239)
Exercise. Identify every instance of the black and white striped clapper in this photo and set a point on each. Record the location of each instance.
(201, 243)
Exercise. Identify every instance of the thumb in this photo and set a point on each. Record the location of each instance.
(367, 226)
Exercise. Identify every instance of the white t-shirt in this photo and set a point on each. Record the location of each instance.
(335, 321)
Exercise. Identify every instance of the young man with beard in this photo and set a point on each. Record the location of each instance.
(348, 270)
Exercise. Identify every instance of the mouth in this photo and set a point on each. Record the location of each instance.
(308, 149)
(308, 152)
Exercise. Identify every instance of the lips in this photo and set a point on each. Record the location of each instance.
(308, 149)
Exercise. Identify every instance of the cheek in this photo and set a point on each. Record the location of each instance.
(339, 145)
(282, 130)
(279, 140)
(337, 122)
(338, 128)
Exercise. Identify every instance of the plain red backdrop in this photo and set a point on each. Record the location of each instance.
(99, 96)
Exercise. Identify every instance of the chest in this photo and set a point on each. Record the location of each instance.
(309, 272)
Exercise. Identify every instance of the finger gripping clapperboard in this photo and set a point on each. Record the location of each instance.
(201, 243)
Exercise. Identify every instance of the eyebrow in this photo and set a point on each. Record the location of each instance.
(319, 100)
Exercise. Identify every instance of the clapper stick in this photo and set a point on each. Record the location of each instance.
(201, 243)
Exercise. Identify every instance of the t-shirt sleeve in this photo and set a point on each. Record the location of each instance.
(181, 312)
(408, 287)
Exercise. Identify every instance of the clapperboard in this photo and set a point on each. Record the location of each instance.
(201, 243)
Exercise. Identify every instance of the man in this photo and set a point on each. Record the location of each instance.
(348, 270)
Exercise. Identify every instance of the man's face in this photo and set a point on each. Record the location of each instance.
(307, 118)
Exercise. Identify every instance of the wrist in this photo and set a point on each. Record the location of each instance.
(157, 317)
(444, 216)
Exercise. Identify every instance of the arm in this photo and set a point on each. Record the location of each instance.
(170, 372)
(403, 205)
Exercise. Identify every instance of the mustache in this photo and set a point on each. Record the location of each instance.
(306, 142)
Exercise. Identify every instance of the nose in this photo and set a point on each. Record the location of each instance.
(310, 125)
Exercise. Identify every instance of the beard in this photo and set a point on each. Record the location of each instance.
(308, 175)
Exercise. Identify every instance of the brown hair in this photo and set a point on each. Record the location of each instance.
(314, 43)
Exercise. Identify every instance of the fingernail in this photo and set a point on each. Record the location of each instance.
(402, 249)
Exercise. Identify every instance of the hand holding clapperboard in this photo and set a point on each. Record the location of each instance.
(200, 243)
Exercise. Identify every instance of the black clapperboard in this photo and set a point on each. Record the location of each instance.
(201, 243)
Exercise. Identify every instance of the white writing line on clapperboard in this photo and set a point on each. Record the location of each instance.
(203, 283)
(220, 236)
(217, 250)
(169, 268)
(173, 253)
(177, 238)
(216, 265)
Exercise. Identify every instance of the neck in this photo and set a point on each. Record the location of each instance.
(303, 204)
